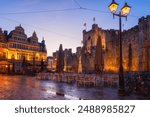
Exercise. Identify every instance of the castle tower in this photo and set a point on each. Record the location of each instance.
(144, 40)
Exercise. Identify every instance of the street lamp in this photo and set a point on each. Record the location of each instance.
(126, 10)
(123, 13)
(113, 7)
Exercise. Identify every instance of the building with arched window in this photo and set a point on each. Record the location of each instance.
(135, 42)
(18, 50)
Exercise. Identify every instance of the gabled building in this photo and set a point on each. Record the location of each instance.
(17, 49)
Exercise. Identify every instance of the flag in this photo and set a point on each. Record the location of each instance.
(84, 24)
(94, 19)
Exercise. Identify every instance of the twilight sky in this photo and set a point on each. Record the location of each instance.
(61, 22)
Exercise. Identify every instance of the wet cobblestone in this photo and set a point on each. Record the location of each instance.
(28, 88)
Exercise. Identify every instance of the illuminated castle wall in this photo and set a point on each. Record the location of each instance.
(136, 48)
(15, 46)
(70, 61)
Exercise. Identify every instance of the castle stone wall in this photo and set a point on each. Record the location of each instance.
(135, 53)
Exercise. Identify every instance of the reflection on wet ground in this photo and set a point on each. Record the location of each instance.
(28, 88)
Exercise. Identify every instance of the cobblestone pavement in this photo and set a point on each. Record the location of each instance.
(28, 88)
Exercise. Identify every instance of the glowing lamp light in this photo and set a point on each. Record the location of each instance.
(126, 9)
(113, 7)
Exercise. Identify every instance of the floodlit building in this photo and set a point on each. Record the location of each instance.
(136, 48)
(50, 62)
(70, 61)
(18, 53)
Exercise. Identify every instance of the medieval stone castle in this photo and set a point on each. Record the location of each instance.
(136, 49)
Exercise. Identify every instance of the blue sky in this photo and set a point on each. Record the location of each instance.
(65, 27)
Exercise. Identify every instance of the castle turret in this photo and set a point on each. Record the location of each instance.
(94, 27)
(144, 28)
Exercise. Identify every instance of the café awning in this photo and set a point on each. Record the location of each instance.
(5, 63)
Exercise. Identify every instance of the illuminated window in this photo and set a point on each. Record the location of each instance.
(12, 57)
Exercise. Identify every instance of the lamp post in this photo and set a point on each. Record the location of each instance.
(123, 13)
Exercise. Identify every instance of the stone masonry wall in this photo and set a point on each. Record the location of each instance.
(135, 54)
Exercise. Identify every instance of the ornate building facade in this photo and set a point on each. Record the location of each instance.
(136, 48)
(17, 50)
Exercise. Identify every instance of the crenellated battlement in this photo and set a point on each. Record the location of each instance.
(134, 36)
(144, 19)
